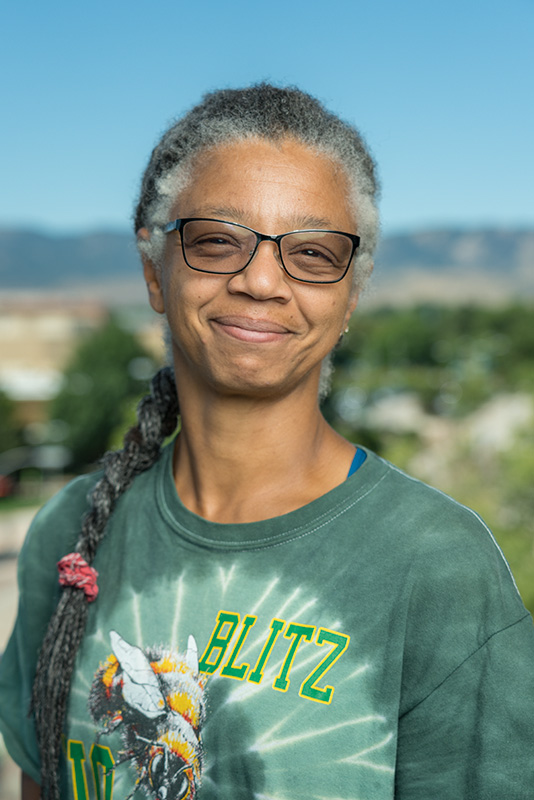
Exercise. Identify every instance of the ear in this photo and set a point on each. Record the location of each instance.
(152, 277)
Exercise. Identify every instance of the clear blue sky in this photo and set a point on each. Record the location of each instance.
(443, 92)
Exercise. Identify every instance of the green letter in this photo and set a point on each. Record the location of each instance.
(219, 642)
(229, 671)
(299, 632)
(76, 754)
(308, 688)
(101, 757)
(256, 676)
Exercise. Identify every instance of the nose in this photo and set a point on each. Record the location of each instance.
(264, 278)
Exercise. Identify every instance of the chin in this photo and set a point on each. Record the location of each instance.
(258, 384)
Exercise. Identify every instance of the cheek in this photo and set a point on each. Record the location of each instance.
(176, 291)
(329, 316)
(186, 297)
(175, 303)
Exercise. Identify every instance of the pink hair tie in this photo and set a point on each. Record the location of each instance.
(75, 571)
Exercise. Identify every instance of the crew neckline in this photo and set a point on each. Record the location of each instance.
(271, 532)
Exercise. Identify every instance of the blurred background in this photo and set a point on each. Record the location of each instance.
(437, 372)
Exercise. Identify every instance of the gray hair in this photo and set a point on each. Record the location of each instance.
(270, 113)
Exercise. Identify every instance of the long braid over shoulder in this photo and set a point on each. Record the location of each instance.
(157, 417)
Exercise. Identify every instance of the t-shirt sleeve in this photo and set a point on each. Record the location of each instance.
(473, 736)
(466, 722)
(53, 533)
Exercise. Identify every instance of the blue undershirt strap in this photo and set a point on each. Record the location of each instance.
(359, 457)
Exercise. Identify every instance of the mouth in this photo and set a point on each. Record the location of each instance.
(248, 329)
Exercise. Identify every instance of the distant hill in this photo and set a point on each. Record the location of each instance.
(492, 250)
(29, 259)
(446, 265)
(481, 266)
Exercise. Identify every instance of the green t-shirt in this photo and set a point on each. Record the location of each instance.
(370, 645)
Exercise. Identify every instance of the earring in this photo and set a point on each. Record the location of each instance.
(341, 335)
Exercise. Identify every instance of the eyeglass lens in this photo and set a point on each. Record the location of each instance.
(212, 246)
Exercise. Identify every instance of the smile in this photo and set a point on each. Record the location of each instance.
(252, 330)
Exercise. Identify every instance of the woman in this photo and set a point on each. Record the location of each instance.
(277, 614)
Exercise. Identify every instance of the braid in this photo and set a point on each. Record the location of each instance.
(156, 414)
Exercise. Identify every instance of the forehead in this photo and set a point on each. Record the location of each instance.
(276, 182)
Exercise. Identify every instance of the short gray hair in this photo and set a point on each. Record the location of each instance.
(267, 112)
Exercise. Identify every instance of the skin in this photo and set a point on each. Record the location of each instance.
(248, 347)
(29, 789)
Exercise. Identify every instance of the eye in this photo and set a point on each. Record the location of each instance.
(205, 243)
(316, 255)
(156, 769)
(212, 240)
(169, 777)
(310, 257)
(313, 253)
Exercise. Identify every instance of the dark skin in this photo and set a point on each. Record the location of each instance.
(29, 790)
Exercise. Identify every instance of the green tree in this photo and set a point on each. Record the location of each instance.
(108, 370)
(10, 435)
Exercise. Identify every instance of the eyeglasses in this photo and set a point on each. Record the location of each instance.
(224, 248)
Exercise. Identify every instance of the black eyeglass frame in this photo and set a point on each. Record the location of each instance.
(178, 224)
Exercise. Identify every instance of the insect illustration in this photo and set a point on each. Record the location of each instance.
(155, 698)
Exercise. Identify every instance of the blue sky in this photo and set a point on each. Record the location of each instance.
(441, 91)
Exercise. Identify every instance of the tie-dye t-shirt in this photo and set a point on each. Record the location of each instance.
(370, 645)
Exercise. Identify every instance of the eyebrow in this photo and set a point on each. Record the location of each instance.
(235, 214)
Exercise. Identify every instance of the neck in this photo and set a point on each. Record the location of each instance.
(242, 459)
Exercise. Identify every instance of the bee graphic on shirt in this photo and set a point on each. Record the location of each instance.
(155, 698)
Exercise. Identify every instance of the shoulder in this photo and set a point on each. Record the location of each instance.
(60, 516)
(427, 518)
(56, 528)
(54, 531)
(458, 591)
(447, 561)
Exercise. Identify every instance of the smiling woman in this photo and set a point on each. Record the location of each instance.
(260, 608)
(216, 317)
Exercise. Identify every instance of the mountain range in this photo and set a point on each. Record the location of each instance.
(447, 265)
